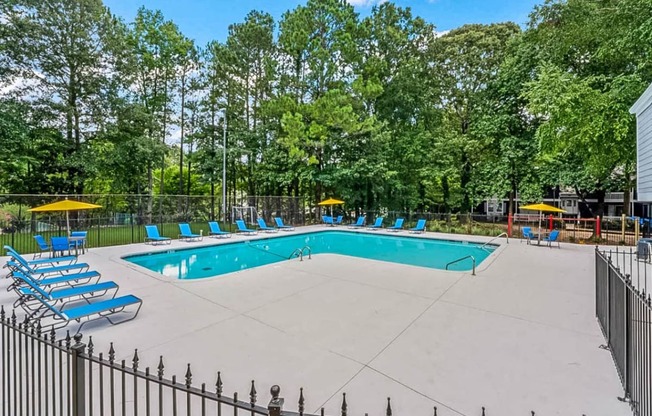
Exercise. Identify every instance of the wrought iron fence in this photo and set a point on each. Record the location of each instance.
(121, 218)
(625, 316)
(45, 375)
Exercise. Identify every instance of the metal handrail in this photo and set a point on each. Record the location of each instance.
(297, 253)
(495, 238)
(300, 251)
(309, 251)
(463, 258)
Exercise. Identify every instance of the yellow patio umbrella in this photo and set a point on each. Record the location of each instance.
(542, 208)
(331, 202)
(66, 205)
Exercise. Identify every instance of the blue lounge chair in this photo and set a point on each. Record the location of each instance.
(327, 220)
(215, 231)
(338, 220)
(242, 228)
(420, 228)
(42, 245)
(28, 296)
(186, 234)
(553, 237)
(262, 225)
(154, 237)
(377, 225)
(527, 234)
(281, 226)
(398, 225)
(359, 223)
(41, 272)
(68, 280)
(91, 311)
(36, 263)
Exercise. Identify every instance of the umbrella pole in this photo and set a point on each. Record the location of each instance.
(539, 236)
(68, 222)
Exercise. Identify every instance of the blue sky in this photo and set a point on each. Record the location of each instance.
(206, 20)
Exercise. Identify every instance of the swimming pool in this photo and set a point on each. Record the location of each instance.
(208, 261)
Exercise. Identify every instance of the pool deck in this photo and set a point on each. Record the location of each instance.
(519, 336)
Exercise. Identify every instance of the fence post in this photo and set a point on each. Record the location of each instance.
(275, 406)
(510, 218)
(78, 382)
(622, 227)
(628, 334)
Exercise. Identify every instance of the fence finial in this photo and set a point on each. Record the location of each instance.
(344, 405)
(389, 407)
(39, 328)
(13, 318)
(53, 334)
(219, 386)
(188, 377)
(135, 360)
(160, 367)
(91, 346)
(435, 411)
(483, 411)
(68, 339)
(111, 353)
(301, 401)
(252, 394)
(2, 313)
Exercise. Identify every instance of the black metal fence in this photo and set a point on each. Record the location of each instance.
(625, 316)
(121, 218)
(41, 374)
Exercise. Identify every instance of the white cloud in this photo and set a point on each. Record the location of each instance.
(365, 3)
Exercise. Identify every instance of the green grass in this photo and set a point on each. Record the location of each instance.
(104, 236)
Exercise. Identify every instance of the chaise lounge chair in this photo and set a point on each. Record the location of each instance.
(398, 225)
(30, 294)
(41, 272)
(186, 234)
(67, 280)
(36, 263)
(377, 225)
(93, 310)
(281, 226)
(242, 228)
(215, 231)
(420, 228)
(359, 223)
(338, 220)
(262, 225)
(327, 220)
(153, 237)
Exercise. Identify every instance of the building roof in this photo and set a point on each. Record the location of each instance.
(643, 102)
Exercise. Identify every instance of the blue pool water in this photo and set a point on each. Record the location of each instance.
(197, 263)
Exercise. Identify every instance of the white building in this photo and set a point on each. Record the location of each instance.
(643, 110)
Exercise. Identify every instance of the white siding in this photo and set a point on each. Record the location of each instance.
(644, 154)
(643, 110)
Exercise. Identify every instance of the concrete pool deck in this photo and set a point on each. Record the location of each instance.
(519, 336)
